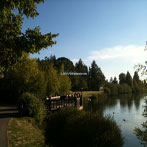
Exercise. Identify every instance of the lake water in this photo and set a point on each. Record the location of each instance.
(127, 112)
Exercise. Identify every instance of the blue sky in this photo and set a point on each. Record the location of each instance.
(112, 32)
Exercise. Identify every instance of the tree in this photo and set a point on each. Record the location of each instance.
(53, 82)
(80, 67)
(111, 80)
(129, 80)
(13, 42)
(65, 83)
(45, 63)
(136, 78)
(96, 77)
(115, 81)
(24, 77)
(122, 78)
(136, 87)
(68, 65)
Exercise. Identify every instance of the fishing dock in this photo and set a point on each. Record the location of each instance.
(58, 102)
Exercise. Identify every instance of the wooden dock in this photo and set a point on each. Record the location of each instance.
(58, 102)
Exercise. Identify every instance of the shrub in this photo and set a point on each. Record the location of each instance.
(70, 127)
(30, 105)
(107, 91)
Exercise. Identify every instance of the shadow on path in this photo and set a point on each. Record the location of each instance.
(5, 114)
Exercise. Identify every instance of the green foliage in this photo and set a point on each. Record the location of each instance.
(65, 83)
(115, 81)
(142, 133)
(113, 88)
(26, 77)
(80, 67)
(122, 78)
(53, 83)
(96, 77)
(124, 89)
(129, 80)
(78, 83)
(30, 105)
(107, 91)
(136, 87)
(81, 81)
(13, 41)
(136, 78)
(126, 84)
(68, 65)
(70, 127)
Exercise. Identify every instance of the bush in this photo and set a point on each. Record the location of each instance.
(30, 105)
(70, 127)
(107, 91)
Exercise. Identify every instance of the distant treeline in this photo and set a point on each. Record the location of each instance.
(126, 84)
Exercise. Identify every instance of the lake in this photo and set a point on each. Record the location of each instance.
(126, 110)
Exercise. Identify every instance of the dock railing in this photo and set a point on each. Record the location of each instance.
(58, 102)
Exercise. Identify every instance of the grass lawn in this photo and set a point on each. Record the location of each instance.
(89, 93)
(22, 133)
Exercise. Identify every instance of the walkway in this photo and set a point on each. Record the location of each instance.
(5, 114)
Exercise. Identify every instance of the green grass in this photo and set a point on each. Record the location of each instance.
(90, 93)
(22, 133)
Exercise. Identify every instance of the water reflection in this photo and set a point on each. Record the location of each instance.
(126, 110)
(98, 105)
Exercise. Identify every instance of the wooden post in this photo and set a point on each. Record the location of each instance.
(75, 98)
(81, 100)
(49, 103)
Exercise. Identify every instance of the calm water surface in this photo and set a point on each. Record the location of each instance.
(127, 112)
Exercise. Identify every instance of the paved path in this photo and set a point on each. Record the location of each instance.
(5, 114)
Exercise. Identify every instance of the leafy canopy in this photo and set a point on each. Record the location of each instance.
(13, 42)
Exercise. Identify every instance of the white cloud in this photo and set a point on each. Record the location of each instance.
(132, 53)
(75, 60)
(117, 59)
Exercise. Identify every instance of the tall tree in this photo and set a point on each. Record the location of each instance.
(68, 64)
(13, 42)
(129, 80)
(96, 77)
(122, 78)
(111, 80)
(46, 62)
(53, 82)
(65, 83)
(80, 67)
(136, 78)
(115, 81)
